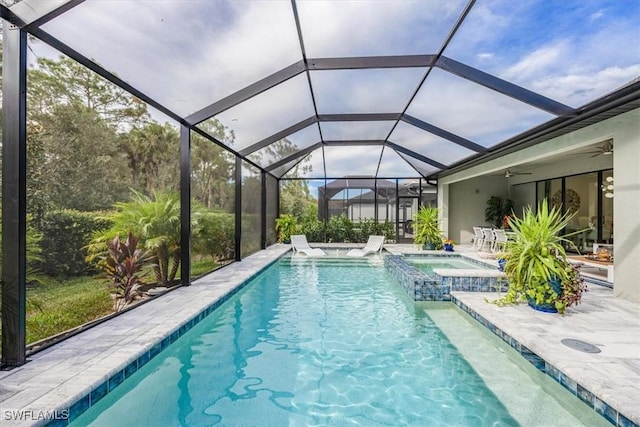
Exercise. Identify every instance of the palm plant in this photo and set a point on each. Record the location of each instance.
(157, 222)
(425, 227)
(536, 261)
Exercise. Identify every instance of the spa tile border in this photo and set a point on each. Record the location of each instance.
(439, 285)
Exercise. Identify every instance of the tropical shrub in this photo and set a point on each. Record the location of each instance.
(537, 266)
(497, 209)
(340, 229)
(157, 223)
(34, 251)
(286, 225)
(365, 228)
(215, 236)
(313, 228)
(123, 266)
(64, 234)
(425, 227)
(387, 229)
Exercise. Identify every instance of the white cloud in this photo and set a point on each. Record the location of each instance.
(363, 28)
(269, 112)
(485, 55)
(393, 165)
(342, 131)
(472, 111)
(352, 160)
(596, 15)
(364, 91)
(427, 144)
(536, 62)
(188, 56)
(578, 89)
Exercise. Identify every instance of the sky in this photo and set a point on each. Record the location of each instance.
(189, 54)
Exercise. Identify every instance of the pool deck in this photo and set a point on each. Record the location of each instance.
(86, 366)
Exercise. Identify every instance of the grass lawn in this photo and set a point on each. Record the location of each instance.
(59, 304)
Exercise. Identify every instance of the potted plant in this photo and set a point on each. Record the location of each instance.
(536, 262)
(496, 210)
(425, 228)
(448, 245)
(286, 225)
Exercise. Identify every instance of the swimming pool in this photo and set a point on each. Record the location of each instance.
(331, 342)
(427, 264)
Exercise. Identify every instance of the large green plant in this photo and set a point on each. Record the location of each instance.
(340, 229)
(496, 210)
(123, 266)
(286, 225)
(313, 228)
(157, 223)
(64, 233)
(215, 236)
(425, 227)
(536, 259)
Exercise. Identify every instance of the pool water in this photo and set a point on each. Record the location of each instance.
(324, 342)
(428, 264)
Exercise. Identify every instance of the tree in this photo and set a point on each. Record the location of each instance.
(67, 82)
(212, 168)
(82, 166)
(296, 199)
(153, 153)
(80, 158)
(295, 196)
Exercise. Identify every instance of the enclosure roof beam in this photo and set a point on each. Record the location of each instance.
(504, 87)
(355, 142)
(298, 154)
(359, 117)
(33, 13)
(443, 133)
(278, 136)
(367, 62)
(246, 93)
(415, 155)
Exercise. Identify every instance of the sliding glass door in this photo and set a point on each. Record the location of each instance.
(590, 198)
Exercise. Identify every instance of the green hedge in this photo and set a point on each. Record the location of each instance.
(215, 236)
(341, 229)
(64, 234)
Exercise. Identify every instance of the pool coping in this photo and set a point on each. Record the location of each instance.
(556, 361)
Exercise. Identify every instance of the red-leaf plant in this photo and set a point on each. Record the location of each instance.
(123, 265)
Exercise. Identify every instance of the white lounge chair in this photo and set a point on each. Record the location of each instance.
(299, 244)
(374, 244)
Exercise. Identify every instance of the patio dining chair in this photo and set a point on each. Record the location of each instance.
(478, 238)
(488, 240)
(500, 243)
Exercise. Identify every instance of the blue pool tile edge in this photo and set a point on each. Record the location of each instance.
(82, 404)
(594, 402)
(421, 286)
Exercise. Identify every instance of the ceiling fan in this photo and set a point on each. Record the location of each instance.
(606, 149)
(508, 173)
